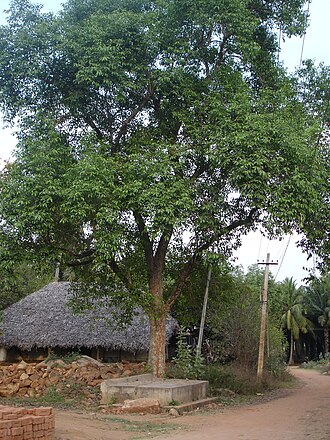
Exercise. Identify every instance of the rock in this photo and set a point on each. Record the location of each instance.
(34, 377)
(86, 360)
(143, 405)
(41, 365)
(56, 363)
(24, 376)
(25, 383)
(22, 365)
(30, 369)
(173, 412)
(23, 391)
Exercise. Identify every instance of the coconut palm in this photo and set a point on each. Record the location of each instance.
(293, 317)
(317, 300)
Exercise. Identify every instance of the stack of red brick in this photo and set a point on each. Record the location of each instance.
(26, 424)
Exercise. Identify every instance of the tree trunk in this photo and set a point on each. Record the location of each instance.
(157, 344)
(291, 349)
(326, 339)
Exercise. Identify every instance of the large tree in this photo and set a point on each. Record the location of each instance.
(149, 133)
(317, 302)
(293, 318)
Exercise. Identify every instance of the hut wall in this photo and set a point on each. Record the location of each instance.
(14, 354)
(121, 355)
(3, 354)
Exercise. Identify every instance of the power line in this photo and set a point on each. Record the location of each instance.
(279, 43)
(259, 247)
(280, 265)
(304, 37)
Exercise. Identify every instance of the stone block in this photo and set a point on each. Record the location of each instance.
(144, 405)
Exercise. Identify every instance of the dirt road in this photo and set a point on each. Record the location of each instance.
(302, 413)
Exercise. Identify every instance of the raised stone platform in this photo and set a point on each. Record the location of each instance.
(146, 385)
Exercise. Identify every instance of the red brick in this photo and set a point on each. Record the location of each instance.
(3, 433)
(37, 420)
(5, 424)
(17, 431)
(28, 428)
(44, 411)
(26, 420)
(9, 416)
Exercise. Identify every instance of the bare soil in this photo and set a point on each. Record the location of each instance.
(295, 414)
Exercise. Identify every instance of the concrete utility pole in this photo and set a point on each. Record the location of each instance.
(263, 318)
(202, 324)
(57, 272)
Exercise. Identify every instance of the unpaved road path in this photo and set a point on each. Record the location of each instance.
(302, 413)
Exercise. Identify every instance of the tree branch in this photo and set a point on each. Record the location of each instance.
(124, 127)
(124, 277)
(146, 242)
(94, 127)
(189, 265)
(221, 52)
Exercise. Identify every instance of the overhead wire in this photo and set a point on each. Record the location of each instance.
(259, 247)
(281, 262)
(304, 37)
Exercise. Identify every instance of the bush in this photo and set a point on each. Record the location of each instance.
(186, 364)
(322, 362)
(241, 381)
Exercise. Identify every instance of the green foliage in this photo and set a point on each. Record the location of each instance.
(174, 403)
(322, 363)
(316, 298)
(240, 381)
(294, 318)
(21, 280)
(235, 323)
(275, 359)
(53, 397)
(188, 364)
(150, 133)
(233, 320)
(67, 358)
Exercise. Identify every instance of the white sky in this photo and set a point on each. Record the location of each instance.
(315, 47)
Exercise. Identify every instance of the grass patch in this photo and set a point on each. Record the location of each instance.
(49, 399)
(143, 426)
(69, 395)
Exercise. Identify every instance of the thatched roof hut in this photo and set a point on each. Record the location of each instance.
(44, 319)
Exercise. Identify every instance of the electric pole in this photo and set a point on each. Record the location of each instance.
(202, 324)
(263, 318)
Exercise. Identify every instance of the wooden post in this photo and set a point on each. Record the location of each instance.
(202, 324)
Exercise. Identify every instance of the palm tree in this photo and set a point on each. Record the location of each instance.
(317, 300)
(293, 318)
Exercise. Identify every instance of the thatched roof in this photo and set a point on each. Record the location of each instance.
(44, 319)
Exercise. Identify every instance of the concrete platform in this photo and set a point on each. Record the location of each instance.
(145, 385)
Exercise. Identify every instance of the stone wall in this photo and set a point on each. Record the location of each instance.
(32, 380)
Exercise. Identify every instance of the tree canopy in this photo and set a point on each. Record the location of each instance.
(149, 133)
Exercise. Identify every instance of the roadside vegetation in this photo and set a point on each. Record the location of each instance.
(152, 136)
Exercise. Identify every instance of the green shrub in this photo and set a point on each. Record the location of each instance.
(187, 365)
